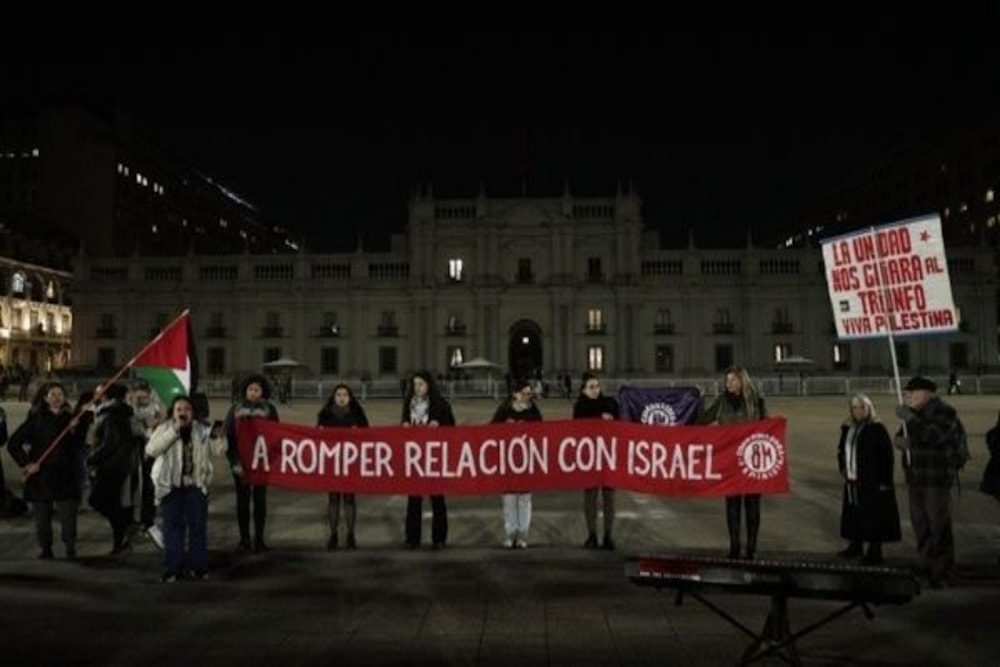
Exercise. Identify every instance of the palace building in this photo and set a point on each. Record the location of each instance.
(536, 284)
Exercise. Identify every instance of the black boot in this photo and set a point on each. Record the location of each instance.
(733, 523)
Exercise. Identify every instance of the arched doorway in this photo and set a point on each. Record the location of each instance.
(525, 349)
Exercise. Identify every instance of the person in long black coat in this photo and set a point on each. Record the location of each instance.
(865, 458)
(52, 484)
(115, 465)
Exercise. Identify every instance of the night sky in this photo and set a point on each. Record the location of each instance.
(724, 128)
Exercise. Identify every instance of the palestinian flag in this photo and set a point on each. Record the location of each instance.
(169, 362)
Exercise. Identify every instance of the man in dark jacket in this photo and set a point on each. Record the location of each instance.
(930, 443)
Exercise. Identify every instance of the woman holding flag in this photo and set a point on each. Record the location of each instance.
(54, 484)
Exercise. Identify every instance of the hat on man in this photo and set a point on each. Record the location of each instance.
(919, 382)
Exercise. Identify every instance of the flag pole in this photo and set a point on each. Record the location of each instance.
(100, 389)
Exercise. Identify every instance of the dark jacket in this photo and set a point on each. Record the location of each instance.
(439, 411)
(592, 408)
(58, 478)
(245, 410)
(115, 459)
(933, 434)
(354, 416)
(506, 411)
(869, 511)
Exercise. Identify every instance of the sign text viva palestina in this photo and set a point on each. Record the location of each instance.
(890, 279)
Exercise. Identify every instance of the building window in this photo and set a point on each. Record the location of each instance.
(664, 361)
(454, 326)
(595, 321)
(387, 324)
(18, 283)
(723, 323)
(455, 270)
(272, 325)
(723, 357)
(387, 361)
(594, 274)
(782, 351)
(272, 354)
(330, 326)
(455, 355)
(329, 361)
(841, 357)
(902, 354)
(106, 358)
(663, 323)
(216, 326)
(105, 326)
(782, 323)
(958, 356)
(216, 361)
(524, 270)
(595, 358)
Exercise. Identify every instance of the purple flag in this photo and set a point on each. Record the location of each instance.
(666, 406)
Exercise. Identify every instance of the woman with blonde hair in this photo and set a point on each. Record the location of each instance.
(740, 402)
(869, 512)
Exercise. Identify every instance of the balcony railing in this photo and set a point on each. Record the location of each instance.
(215, 332)
(664, 329)
(596, 330)
(454, 330)
(388, 330)
(272, 332)
(782, 327)
(106, 332)
(723, 328)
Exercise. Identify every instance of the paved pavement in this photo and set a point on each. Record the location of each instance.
(475, 603)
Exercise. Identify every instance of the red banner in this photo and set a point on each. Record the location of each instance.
(524, 456)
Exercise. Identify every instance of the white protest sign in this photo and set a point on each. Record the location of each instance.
(892, 279)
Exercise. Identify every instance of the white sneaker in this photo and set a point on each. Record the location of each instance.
(521, 544)
(155, 533)
(509, 543)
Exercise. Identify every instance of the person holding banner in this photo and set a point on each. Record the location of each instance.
(423, 405)
(182, 475)
(740, 402)
(869, 512)
(931, 455)
(53, 485)
(255, 393)
(342, 410)
(593, 404)
(519, 407)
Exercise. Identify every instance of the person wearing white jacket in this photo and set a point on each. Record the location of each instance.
(182, 474)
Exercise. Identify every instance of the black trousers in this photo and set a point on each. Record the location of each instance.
(439, 520)
(244, 493)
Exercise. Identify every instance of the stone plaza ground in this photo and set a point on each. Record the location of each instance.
(476, 603)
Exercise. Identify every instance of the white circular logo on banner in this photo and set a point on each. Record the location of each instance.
(658, 414)
(761, 456)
